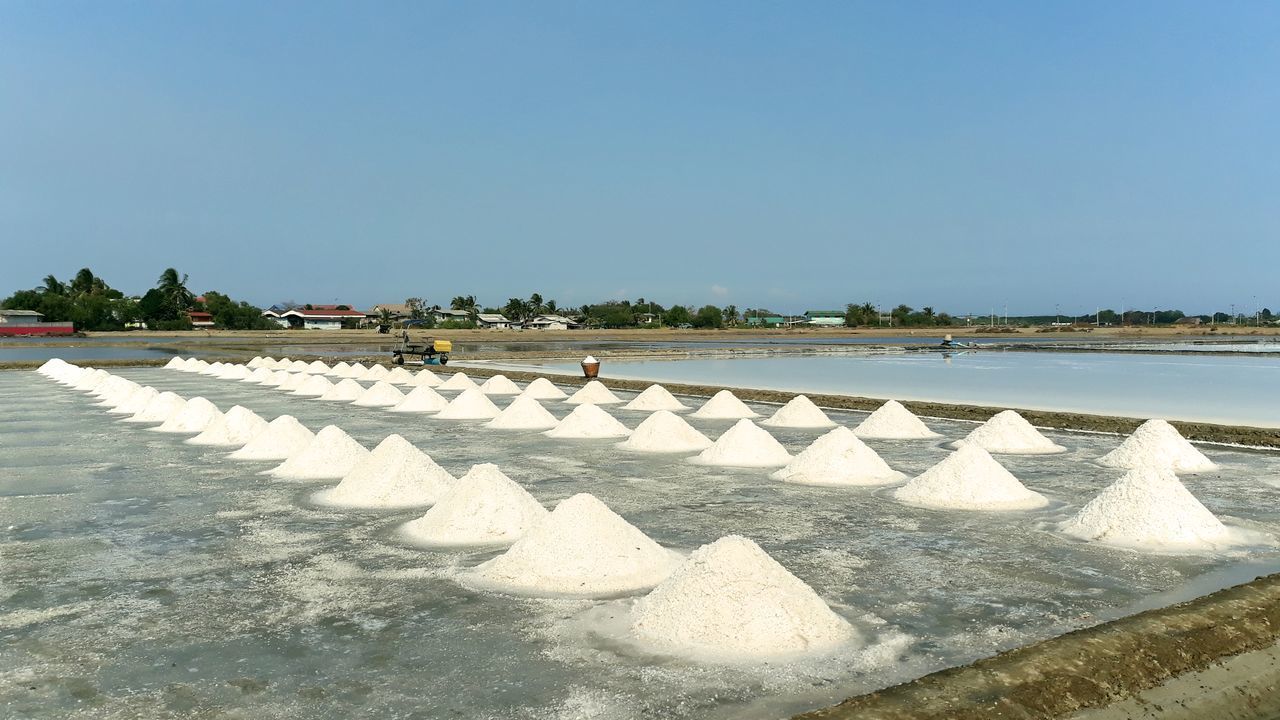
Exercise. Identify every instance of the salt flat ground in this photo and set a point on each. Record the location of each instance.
(141, 576)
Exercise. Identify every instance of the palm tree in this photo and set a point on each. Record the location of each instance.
(174, 291)
(53, 286)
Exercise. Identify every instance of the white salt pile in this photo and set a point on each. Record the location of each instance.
(113, 389)
(136, 401)
(400, 376)
(426, 378)
(1148, 509)
(665, 432)
(499, 385)
(838, 458)
(345, 390)
(893, 421)
(355, 370)
(1158, 444)
(382, 394)
(588, 421)
(724, 405)
(159, 409)
(259, 375)
(211, 368)
(375, 373)
(313, 386)
(194, 417)
(331, 454)
(1010, 433)
(471, 404)
(255, 363)
(969, 479)
(278, 378)
(294, 381)
(458, 381)
(730, 601)
(298, 366)
(317, 368)
(281, 438)
(744, 445)
(52, 366)
(524, 413)
(234, 372)
(394, 475)
(422, 399)
(581, 549)
(654, 398)
(338, 370)
(195, 365)
(90, 380)
(799, 412)
(235, 427)
(175, 363)
(485, 507)
(595, 393)
(544, 389)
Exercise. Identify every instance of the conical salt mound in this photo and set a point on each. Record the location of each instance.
(581, 549)
(234, 372)
(175, 363)
(382, 394)
(893, 421)
(586, 422)
(730, 601)
(159, 409)
(112, 387)
(595, 393)
(1010, 433)
(136, 401)
(255, 363)
(800, 412)
(298, 366)
(233, 428)
(654, 398)
(259, 375)
(471, 404)
(969, 479)
(499, 385)
(422, 399)
(375, 373)
(345, 390)
(724, 405)
(524, 413)
(313, 386)
(317, 368)
(193, 418)
(394, 475)
(458, 381)
(294, 381)
(426, 378)
(338, 370)
(194, 365)
(211, 368)
(665, 432)
(1158, 444)
(744, 445)
(54, 365)
(1148, 509)
(90, 380)
(331, 454)
(838, 458)
(354, 371)
(485, 507)
(544, 389)
(278, 378)
(400, 376)
(281, 438)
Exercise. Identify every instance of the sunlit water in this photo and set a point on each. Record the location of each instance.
(140, 576)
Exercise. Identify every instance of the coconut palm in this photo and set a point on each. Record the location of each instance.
(53, 286)
(174, 291)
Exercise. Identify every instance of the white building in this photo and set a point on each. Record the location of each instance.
(551, 322)
(491, 320)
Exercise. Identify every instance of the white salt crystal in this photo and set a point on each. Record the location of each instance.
(744, 445)
(192, 418)
(485, 507)
(175, 363)
(281, 438)
(544, 389)
(294, 381)
(233, 372)
(893, 421)
(422, 399)
(298, 366)
(136, 401)
(969, 479)
(354, 371)
(331, 454)
(665, 432)
(259, 375)
(724, 405)
(395, 474)
(339, 369)
(382, 394)
(524, 413)
(278, 378)
(345, 390)
(654, 398)
(233, 428)
(1158, 444)
(595, 393)
(255, 363)
(458, 381)
(588, 421)
(499, 385)
(400, 376)
(375, 373)
(159, 409)
(1010, 433)
(317, 368)
(470, 404)
(799, 412)
(427, 378)
(313, 386)
(838, 458)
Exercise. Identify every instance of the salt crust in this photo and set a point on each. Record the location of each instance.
(731, 602)
(427, 378)
(1148, 509)
(136, 401)
(338, 369)
(313, 386)
(543, 389)
(586, 422)
(421, 399)
(1158, 444)
(382, 394)
(470, 404)
(281, 438)
(484, 508)
(345, 390)
(969, 479)
(375, 373)
(838, 458)
(194, 417)
(744, 445)
(317, 368)
(400, 376)
(235, 427)
(331, 454)
(355, 370)
(654, 398)
(665, 432)
(159, 409)
(499, 385)
(395, 474)
(524, 413)
(293, 382)
(175, 363)
(580, 549)
(724, 405)
(458, 381)
(278, 378)
(799, 412)
(595, 393)
(1009, 433)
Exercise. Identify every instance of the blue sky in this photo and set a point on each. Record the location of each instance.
(964, 155)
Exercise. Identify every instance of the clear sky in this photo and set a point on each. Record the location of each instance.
(961, 154)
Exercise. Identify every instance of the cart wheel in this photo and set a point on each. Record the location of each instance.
(444, 358)
(397, 358)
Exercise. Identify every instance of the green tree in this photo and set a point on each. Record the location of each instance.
(709, 316)
(174, 292)
(730, 315)
(677, 315)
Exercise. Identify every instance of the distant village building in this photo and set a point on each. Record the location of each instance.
(200, 319)
(397, 311)
(315, 317)
(493, 321)
(458, 316)
(766, 321)
(552, 322)
(647, 319)
(828, 318)
(30, 322)
(1193, 321)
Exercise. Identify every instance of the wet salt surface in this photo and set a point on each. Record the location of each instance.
(141, 576)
